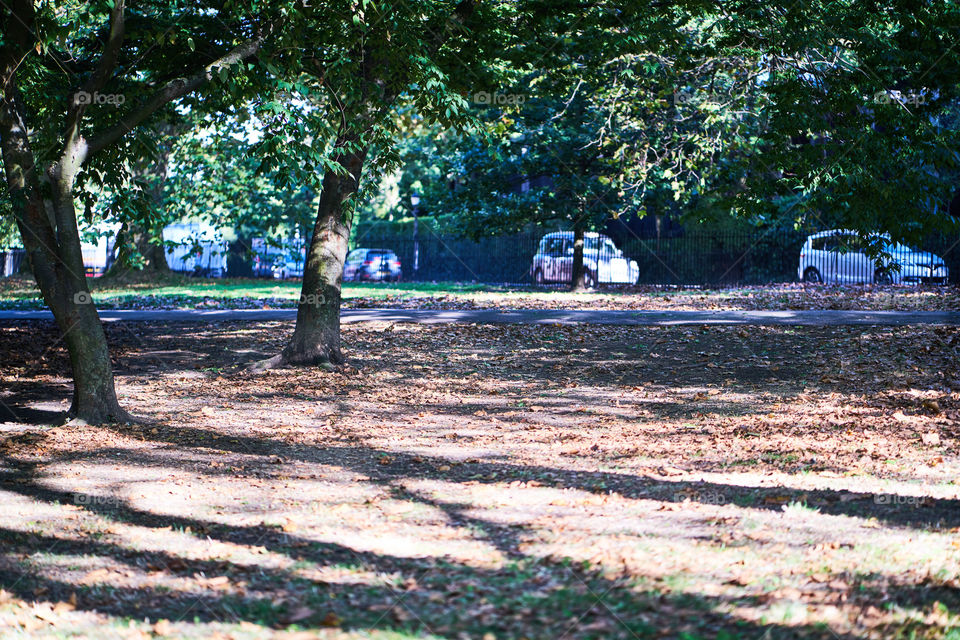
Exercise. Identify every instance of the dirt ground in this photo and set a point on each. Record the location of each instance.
(778, 297)
(489, 482)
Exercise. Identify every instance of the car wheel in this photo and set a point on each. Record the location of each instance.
(812, 275)
(589, 280)
(882, 276)
(538, 276)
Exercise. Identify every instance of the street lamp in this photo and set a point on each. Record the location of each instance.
(415, 203)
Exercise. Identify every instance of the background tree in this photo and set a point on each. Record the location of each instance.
(139, 209)
(412, 53)
(217, 176)
(860, 96)
(628, 113)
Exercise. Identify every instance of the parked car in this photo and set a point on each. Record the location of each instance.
(196, 248)
(371, 265)
(839, 256)
(288, 267)
(605, 264)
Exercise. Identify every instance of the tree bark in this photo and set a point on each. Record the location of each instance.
(132, 239)
(316, 337)
(48, 228)
(578, 280)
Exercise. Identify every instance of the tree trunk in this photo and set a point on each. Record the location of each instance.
(578, 281)
(48, 228)
(133, 240)
(316, 338)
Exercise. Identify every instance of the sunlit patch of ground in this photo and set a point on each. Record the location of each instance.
(504, 482)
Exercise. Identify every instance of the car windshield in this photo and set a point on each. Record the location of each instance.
(896, 247)
(598, 243)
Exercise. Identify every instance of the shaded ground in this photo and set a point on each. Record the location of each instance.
(551, 317)
(490, 482)
(177, 292)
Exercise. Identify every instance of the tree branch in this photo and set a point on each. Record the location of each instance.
(176, 88)
(99, 77)
(111, 50)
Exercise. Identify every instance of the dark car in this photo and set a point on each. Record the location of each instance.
(371, 265)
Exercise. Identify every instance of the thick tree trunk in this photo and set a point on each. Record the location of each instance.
(94, 393)
(316, 338)
(578, 281)
(48, 228)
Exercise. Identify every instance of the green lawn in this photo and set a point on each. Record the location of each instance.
(189, 292)
(179, 292)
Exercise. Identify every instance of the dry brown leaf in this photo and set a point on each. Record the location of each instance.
(162, 627)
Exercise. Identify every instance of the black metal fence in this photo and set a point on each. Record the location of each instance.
(689, 258)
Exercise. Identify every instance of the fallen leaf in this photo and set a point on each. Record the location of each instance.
(301, 613)
(330, 620)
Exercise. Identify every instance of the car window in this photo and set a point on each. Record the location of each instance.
(850, 243)
(609, 249)
(553, 247)
(825, 243)
(355, 255)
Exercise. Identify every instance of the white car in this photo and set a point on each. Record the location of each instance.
(838, 256)
(605, 264)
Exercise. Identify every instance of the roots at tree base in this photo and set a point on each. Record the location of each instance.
(326, 359)
(99, 413)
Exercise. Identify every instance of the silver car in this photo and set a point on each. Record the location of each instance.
(371, 265)
(839, 256)
(605, 264)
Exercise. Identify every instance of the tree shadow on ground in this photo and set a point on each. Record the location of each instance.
(17, 413)
(526, 597)
(892, 509)
(530, 595)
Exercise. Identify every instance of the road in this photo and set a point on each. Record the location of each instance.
(533, 316)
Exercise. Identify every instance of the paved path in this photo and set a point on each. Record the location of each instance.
(531, 316)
